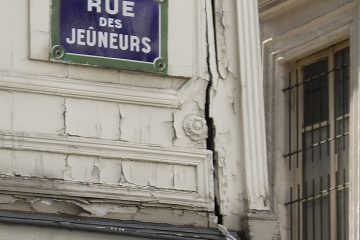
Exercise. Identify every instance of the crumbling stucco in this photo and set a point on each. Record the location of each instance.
(103, 209)
(226, 114)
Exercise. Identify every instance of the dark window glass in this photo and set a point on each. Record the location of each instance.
(316, 92)
(342, 75)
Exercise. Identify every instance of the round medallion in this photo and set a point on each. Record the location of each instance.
(195, 127)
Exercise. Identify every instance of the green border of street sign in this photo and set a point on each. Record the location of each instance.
(57, 54)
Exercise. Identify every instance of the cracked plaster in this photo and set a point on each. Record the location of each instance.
(82, 118)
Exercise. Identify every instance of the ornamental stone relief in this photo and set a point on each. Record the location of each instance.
(195, 127)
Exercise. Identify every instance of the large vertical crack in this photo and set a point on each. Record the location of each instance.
(210, 142)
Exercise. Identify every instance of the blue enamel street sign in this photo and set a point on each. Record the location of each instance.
(122, 34)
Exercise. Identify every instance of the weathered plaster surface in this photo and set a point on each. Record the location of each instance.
(42, 113)
(226, 112)
(114, 144)
(105, 209)
(237, 103)
(99, 142)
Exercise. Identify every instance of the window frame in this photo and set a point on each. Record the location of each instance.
(279, 51)
(296, 132)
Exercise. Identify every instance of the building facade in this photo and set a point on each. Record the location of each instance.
(250, 134)
(310, 55)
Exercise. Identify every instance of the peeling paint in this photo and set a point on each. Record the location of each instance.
(95, 174)
(174, 129)
(64, 117)
(108, 119)
(120, 122)
(54, 206)
(122, 176)
(155, 126)
(214, 75)
(67, 172)
(7, 199)
(103, 210)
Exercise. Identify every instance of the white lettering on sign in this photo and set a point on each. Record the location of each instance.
(115, 41)
(94, 4)
(127, 7)
(110, 22)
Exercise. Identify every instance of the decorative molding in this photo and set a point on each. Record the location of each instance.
(266, 3)
(270, 7)
(333, 26)
(200, 159)
(195, 127)
(308, 38)
(67, 87)
(253, 105)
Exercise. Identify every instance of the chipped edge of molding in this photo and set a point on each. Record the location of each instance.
(160, 198)
(198, 158)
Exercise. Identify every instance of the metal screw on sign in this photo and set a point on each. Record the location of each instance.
(58, 52)
(159, 64)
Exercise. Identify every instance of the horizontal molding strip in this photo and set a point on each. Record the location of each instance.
(75, 88)
(268, 7)
(67, 190)
(199, 158)
(101, 148)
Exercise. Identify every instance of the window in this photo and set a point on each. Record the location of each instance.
(318, 155)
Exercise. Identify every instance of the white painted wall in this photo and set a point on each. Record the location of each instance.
(237, 108)
(132, 146)
(102, 140)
